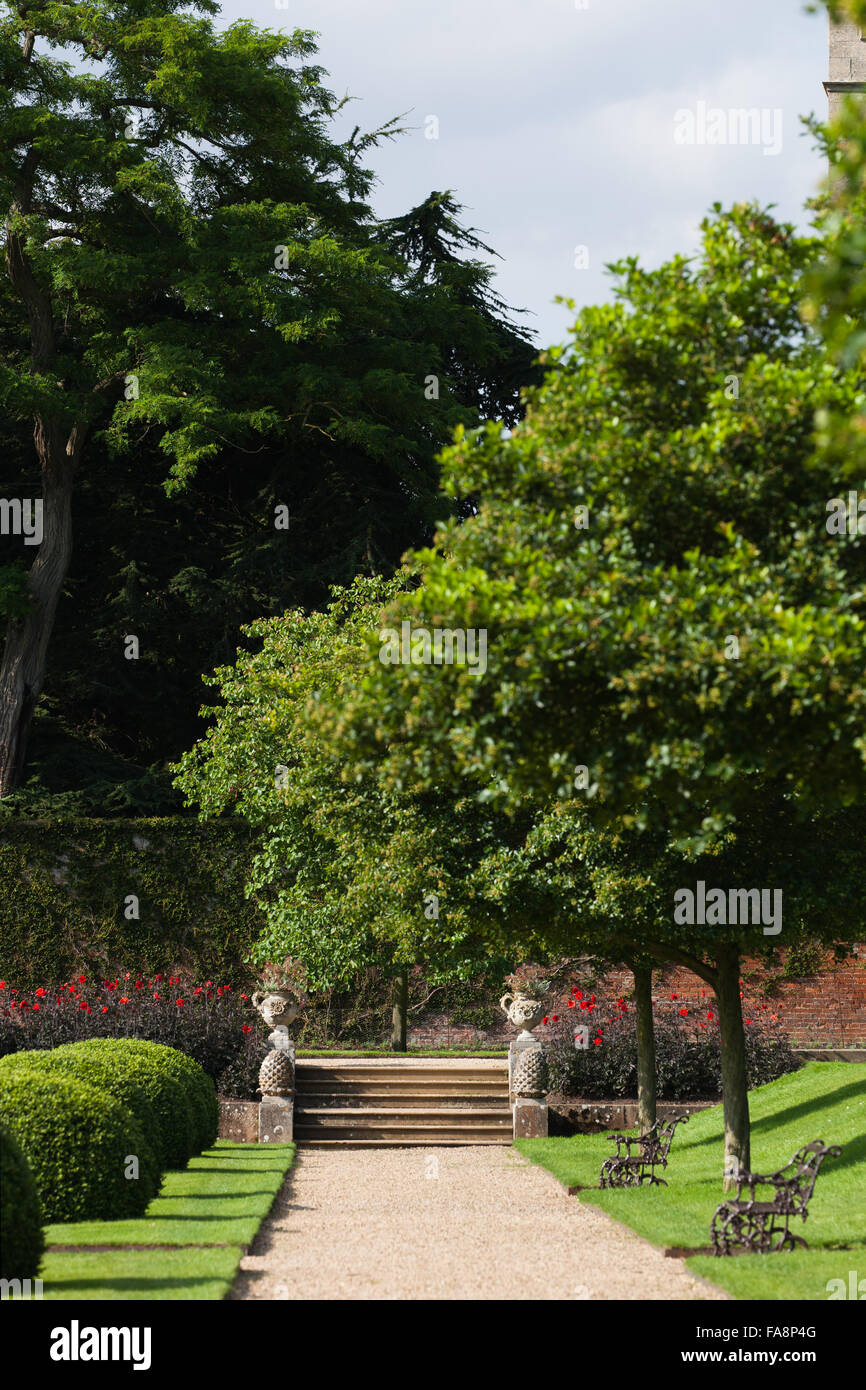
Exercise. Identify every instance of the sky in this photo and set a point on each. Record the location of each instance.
(564, 125)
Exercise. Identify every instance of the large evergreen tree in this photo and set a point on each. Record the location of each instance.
(195, 282)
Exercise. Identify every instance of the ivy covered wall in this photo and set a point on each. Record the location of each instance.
(70, 889)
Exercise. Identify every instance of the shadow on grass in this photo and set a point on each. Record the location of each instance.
(142, 1283)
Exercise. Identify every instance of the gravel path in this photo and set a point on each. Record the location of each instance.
(458, 1223)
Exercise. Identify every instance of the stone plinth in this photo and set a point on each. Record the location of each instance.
(530, 1118)
(239, 1120)
(276, 1115)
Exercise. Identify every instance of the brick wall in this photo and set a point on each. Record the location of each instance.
(827, 1009)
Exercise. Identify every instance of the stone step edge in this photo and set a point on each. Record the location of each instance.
(468, 1142)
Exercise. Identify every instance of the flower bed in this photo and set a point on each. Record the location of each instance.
(210, 1022)
(688, 1049)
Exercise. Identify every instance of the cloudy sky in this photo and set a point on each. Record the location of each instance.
(557, 119)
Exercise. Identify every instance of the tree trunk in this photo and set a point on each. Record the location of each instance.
(646, 1048)
(735, 1091)
(399, 1012)
(25, 653)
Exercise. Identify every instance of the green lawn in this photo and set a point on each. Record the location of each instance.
(218, 1201)
(825, 1100)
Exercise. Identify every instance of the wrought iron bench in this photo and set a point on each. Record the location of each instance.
(763, 1226)
(624, 1169)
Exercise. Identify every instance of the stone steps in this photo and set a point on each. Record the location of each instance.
(400, 1098)
(401, 1102)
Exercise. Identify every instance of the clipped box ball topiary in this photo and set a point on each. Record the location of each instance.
(113, 1081)
(21, 1238)
(197, 1086)
(202, 1092)
(87, 1154)
(171, 1102)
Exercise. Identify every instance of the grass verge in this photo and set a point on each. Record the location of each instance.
(824, 1100)
(217, 1202)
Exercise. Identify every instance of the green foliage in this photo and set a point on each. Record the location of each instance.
(804, 958)
(343, 874)
(21, 1240)
(198, 1088)
(180, 1092)
(706, 519)
(64, 884)
(112, 1080)
(77, 1142)
(174, 190)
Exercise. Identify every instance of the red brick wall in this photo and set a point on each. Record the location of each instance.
(827, 1009)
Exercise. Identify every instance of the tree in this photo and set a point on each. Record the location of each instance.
(346, 876)
(193, 274)
(670, 627)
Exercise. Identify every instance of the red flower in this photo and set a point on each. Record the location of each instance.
(157, 977)
(156, 996)
(126, 976)
(245, 996)
(197, 989)
(246, 1028)
(598, 1042)
(675, 996)
(208, 984)
(703, 994)
(710, 1013)
(82, 1004)
(105, 1008)
(545, 1019)
(35, 1006)
(571, 1003)
(124, 999)
(748, 1020)
(576, 992)
(683, 1013)
(554, 1018)
(40, 992)
(82, 979)
(139, 984)
(179, 1003)
(2, 984)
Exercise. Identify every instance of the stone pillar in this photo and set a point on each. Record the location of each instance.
(276, 1118)
(530, 1118)
(276, 1112)
(847, 63)
(529, 1111)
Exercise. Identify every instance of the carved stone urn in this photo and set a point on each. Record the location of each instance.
(278, 1007)
(523, 1012)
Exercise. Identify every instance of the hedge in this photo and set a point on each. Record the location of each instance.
(65, 887)
(198, 1088)
(22, 1242)
(175, 1106)
(78, 1143)
(113, 1080)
